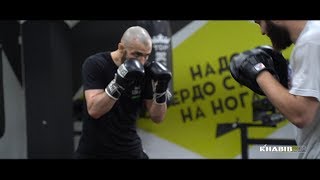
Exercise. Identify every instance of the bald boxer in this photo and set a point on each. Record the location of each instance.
(117, 85)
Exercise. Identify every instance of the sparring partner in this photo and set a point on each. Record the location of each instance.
(298, 100)
(117, 85)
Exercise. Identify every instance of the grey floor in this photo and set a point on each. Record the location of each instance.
(159, 148)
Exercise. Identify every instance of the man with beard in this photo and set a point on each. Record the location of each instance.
(299, 103)
(117, 85)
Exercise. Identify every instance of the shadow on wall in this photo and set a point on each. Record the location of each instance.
(89, 37)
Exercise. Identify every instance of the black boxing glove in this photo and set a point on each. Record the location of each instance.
(246, 66)
(161, 76)
(280, 64)
(127, 73)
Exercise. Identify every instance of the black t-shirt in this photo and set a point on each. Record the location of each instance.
(114, 134)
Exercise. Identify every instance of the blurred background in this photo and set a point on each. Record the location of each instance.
(210, 116)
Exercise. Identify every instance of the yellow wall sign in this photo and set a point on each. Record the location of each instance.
(206, 95)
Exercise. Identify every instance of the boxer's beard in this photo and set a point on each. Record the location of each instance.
(279, 36)
(124, 56)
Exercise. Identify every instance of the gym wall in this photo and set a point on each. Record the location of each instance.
(41, 78)
(2, 116)
(13, 138)
(208, 102)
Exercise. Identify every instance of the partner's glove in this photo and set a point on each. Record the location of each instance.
(246, 66)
